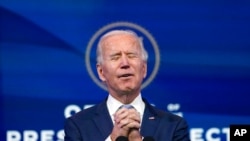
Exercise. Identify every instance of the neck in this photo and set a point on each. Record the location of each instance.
(125, 98)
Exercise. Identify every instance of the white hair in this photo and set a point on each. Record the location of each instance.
(99, 57)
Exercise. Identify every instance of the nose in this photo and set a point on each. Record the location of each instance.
(124, 62)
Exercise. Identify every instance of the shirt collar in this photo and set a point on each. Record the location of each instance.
(114, 104)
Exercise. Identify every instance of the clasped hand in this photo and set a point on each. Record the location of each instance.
(126, 123)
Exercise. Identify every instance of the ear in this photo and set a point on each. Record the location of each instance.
(100, 72)
(144, 69)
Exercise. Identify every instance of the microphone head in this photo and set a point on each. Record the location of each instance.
(121, 138)
(148, 138)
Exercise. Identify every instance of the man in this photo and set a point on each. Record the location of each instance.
(122, 66)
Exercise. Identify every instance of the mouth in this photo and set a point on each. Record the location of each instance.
(125, 75)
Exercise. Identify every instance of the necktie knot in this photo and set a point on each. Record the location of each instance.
(127, 106)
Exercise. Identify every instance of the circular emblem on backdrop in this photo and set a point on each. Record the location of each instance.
(119, 25)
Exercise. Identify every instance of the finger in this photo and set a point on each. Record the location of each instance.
(132, 125)
(120, 115)
(128, 123)
(134, 115)
(117, 131)
(133, 112)
(124, 122)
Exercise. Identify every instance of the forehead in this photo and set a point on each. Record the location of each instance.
(120, 40)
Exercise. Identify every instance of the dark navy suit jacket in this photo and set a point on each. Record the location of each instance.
(94, 124)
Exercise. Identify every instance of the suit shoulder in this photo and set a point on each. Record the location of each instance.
(84, 114)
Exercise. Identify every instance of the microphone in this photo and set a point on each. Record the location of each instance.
(121, 138)
(148, 138)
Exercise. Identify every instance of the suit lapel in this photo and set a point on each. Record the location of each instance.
(103, 120)
(150, 120)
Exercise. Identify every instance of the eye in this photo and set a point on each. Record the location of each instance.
(115, 57)
(132, 55)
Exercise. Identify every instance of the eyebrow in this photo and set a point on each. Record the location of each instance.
(115, 54)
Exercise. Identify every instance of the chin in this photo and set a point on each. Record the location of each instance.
(128, 90)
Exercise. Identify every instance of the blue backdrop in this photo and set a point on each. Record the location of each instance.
(203, 75)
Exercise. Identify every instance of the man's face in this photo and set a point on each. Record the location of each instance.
(122, 68)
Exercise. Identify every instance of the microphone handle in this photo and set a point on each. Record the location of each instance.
(121, 138)
(148, 138)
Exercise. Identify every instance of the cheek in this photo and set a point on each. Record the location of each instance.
(109, 70)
